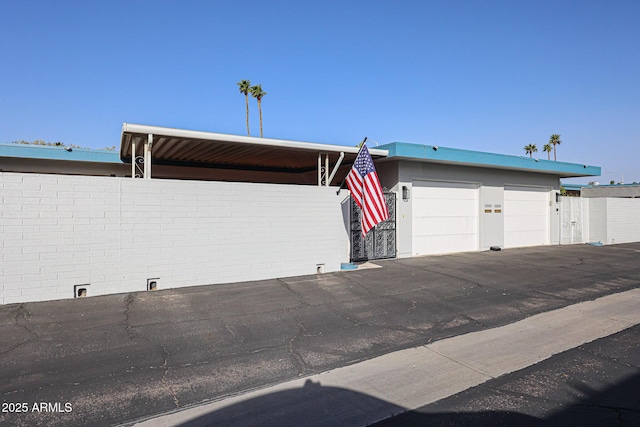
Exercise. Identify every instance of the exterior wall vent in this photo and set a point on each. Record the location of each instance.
(153, 284)
(81, 291)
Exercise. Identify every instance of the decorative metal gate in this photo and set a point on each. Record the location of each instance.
(380, 241)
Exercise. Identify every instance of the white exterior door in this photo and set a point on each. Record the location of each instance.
(444, 217)
(571, 222)
(526, 216)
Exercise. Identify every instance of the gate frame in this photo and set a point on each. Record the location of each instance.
(381, 241)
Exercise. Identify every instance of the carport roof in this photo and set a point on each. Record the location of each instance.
(455, 156)
(196, 148)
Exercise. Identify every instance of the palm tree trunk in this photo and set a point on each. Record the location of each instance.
(260, 110)
(246, 98)
(554, 152)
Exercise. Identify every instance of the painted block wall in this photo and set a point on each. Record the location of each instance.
(623, 220)
(586, 220)
(597, 220)
(614, 220)
(59, 231)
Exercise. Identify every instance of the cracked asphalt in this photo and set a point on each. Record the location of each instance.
(595, 384)
(120, 358)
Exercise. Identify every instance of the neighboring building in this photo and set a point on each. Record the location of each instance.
(613, 190)
(571, 190)
(232, 208)
(594, 190)
(60, 160)
(606, 214)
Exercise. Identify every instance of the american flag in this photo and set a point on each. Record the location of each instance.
(365, 189)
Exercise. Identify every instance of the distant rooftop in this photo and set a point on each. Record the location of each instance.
(595, 189)
(242, 151)
(46, 152)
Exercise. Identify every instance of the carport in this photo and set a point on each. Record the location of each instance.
(154, 151)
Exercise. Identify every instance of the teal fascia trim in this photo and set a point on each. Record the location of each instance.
(436, 154)
(25, 151)
(573, 187)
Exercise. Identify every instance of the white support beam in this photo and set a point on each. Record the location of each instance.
(147, 156)
(319, 169)
(133, 157)
(335, 169)
(326, 170)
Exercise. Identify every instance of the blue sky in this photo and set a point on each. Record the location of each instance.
(479, 75)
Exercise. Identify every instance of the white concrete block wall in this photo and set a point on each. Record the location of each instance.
(598, 220)
(614, 220)
(586, 232)
(115, 233)
(623, 220)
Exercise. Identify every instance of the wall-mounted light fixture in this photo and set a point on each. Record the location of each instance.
(405, 193)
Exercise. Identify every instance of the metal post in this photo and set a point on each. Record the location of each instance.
(326, 170)
(147, 156)
(335, 169)
(133, 157)
(345, 178)
(319, 169)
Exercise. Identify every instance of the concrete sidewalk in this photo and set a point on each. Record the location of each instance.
(407, 379)
(120, 358)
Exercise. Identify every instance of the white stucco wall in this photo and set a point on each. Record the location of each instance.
(59, 231)
(490, 181)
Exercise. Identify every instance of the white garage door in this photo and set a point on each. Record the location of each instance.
(526, 216)
(444, 217)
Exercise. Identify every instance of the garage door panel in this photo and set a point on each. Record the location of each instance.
(536, 207)
(445, 217)
(445, 208)
(526, 216)
(431, 245)
(445, 226)
(527, 238)
(522, 222)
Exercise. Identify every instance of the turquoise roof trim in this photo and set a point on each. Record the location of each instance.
(573, 187)
(44, 152)
(436, 154)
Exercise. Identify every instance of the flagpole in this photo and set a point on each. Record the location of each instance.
(345, 178)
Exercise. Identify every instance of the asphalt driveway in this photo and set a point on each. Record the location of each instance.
(112, 359)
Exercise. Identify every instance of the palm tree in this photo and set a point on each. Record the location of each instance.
(530, 149)
(245, 87)
(547, 149)
(258, 93)
(554, 140)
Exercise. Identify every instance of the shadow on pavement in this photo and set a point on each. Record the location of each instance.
(315, 405)
(310, 405)
(618, 405)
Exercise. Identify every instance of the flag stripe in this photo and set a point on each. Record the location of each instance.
(366, 191)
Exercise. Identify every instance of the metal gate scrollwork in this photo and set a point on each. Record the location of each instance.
(380, 242)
